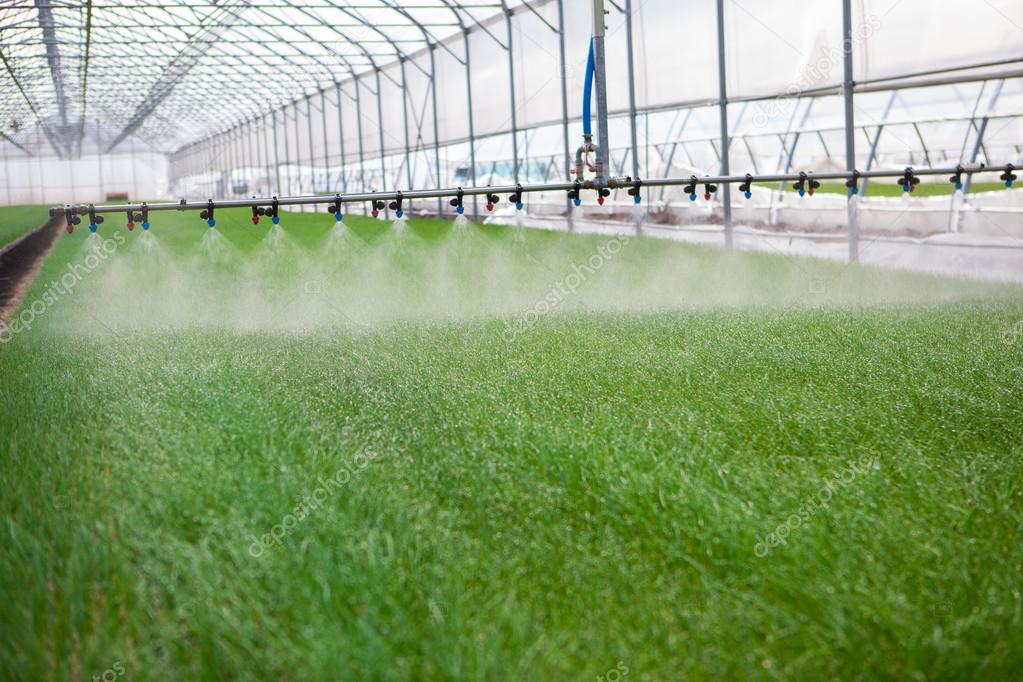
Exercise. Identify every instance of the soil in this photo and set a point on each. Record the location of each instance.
(20, 262)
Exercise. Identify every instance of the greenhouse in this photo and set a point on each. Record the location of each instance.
(546, 339)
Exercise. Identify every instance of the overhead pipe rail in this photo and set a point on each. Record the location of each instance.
(804, 183)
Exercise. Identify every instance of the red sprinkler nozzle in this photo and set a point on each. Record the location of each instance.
(600, 200)
(706, 196)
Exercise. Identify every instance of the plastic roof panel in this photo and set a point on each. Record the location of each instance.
(203, 63)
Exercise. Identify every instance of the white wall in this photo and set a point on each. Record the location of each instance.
(49, 180)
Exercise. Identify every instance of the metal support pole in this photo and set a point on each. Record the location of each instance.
(404, 114)
(632, 86)
(436, 129)
(277, 156)
(266, 155)
(362, 152)
(380, 130)
(511, 85)
(472, 128)
(312, 150)
(600, 80)
(99, 163)
(297, 171)
(326, 153)
(725, 142)
(341, 134)
(564, 108)
(852, 203)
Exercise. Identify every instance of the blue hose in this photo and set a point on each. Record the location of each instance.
(588, 92)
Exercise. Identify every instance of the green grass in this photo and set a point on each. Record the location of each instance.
(929, 187)
(583, 493)
(17, 220)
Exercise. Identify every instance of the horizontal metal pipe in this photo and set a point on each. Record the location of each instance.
(451, 192)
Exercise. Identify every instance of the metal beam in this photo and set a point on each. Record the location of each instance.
(723, 107)
(56, 74)
(852, 201)
(187, 58)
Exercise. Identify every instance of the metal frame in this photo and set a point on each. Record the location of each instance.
(207, 88)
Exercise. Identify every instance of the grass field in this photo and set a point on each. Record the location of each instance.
(373, 453)
(17, 220)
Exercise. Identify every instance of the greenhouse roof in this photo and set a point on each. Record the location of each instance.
(177, 71)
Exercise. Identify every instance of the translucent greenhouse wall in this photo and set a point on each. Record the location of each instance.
(500, 101)
(133, 170)
(423, 122)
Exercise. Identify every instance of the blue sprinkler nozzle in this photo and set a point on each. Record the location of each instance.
(145, 225)
(339, 217)
(748, 195)
(1008, 183)
(275, 220)
(577, 202)
(854, 190)
(802, 192)
(518, 205)
(92, 227)
(460, 210)
(959, 185)
(637, 199)
(211, 222)
(399, 213)
(692, 196)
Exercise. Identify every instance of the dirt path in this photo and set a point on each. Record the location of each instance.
(20, 263)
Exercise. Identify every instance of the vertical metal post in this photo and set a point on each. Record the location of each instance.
(277, 157)
(632, 86)
(287, 145)
(266, 155)
(298, 153)
(341, 134)
(362, 153)
(253, 157)
(99, 162)
(312, 150)
(436, 129)
(326, 154)
(134, 175)
(404, 113)
(600, 79)
(511, 86)
(725, 142)
(380, 131)
(564, 108)
(852, 204)
(472, 128)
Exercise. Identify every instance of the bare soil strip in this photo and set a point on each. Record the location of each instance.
(20, 262)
